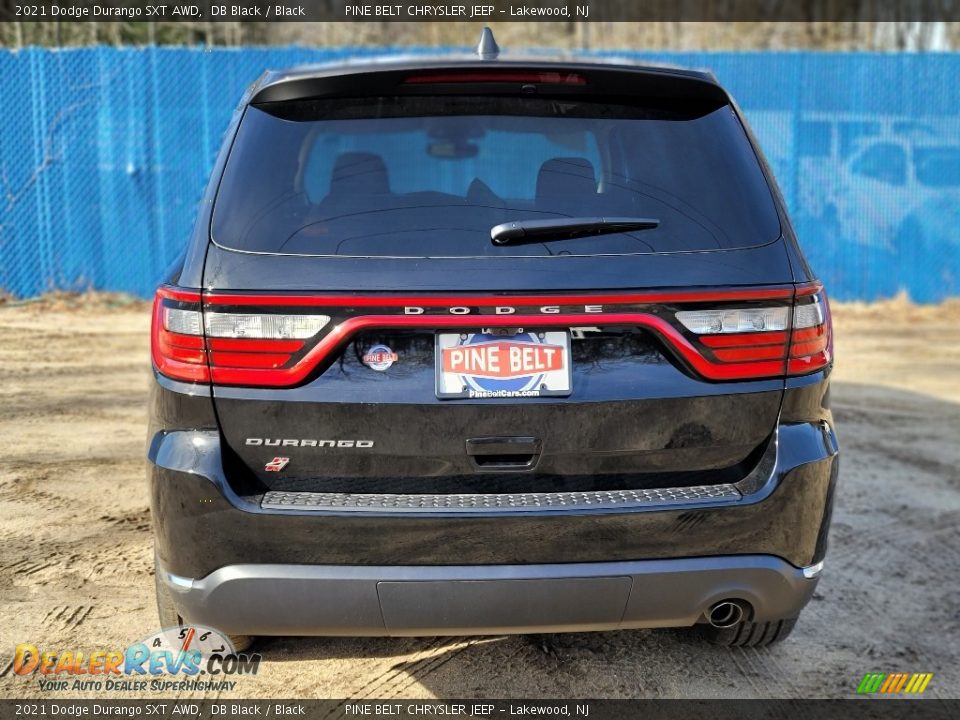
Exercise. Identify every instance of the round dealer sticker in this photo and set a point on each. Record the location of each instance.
(379, 358)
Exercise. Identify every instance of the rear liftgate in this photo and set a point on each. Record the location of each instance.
(512, 403)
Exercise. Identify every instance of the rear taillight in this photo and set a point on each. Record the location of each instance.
(176, 339)
(764, 341)
(189, 344)
(811, 341)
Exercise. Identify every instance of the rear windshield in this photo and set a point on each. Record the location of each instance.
(430, 177)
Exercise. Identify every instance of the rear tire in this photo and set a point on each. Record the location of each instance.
(170, 616)
(749, 634)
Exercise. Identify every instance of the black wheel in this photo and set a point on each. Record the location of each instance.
(170, 617)
(749, 634)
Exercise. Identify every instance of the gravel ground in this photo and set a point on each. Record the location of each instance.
(76, 562)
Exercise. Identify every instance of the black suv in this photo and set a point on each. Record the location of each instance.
(487, 346)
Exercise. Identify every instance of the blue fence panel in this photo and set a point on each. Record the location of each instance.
(104, 153)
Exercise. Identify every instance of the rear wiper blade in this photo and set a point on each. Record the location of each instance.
(522, 232)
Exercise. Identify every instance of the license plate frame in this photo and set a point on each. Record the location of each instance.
(522, 365)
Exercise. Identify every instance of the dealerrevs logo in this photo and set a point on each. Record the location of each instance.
(175, 659)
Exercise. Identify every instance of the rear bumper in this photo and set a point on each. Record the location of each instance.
(201, 525)
(494, 599)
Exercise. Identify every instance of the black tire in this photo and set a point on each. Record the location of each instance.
(749, 634)
(170, 617)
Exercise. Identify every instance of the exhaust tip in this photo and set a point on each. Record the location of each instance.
(725, 613)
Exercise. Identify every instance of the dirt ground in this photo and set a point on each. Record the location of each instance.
(76, 563)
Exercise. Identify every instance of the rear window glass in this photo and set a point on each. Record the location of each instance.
(430, 176)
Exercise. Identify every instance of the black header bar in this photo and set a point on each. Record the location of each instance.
(174, 708)
(490, 11)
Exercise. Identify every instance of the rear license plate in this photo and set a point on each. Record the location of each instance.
(479, 365)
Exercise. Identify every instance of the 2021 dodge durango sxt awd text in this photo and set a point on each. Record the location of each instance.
(490, 347)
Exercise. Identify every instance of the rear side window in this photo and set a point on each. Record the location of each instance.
(430, 176)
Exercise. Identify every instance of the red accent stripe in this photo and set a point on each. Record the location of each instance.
(808, 348)
(341, 333)
(180, 295)
(193, 342)
(356, 301)
(763, 352)
(809, 289)
(806, 365)
(247, 360)
(255, 345)
(194, 357)
(812, 333)
(777, 337)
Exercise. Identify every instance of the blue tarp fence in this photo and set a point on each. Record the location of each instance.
(104, 153)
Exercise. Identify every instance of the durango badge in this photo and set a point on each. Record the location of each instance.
(379, 358)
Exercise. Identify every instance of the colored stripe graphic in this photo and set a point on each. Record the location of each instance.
(894, 683)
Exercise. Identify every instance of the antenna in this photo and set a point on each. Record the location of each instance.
(487, 48)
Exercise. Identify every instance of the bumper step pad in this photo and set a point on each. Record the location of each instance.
(519, 502)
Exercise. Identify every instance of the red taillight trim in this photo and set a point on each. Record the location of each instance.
(811, 333)
(809, 364)
(745, 354)
(189, 296)
(742, 356)
(189, 342)
(173, 353)
(544, 78)
(247, 360)
(342, 332)
(809, 289)
(776, 337)
(812, 347)
(254, 345)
